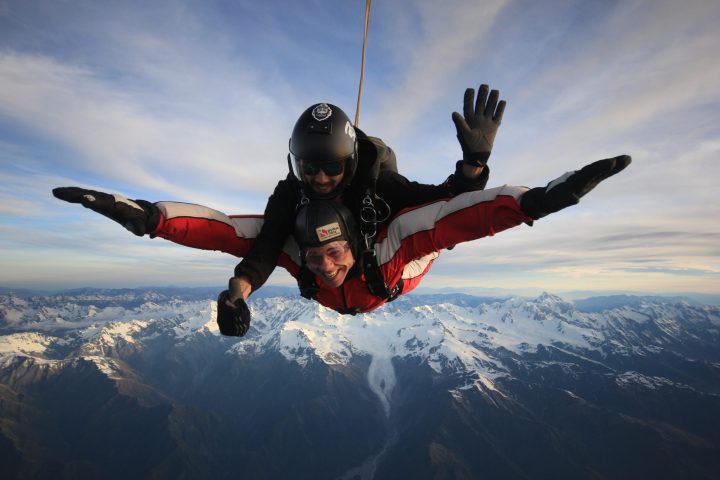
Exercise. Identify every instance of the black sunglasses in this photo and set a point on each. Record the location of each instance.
(331, 169)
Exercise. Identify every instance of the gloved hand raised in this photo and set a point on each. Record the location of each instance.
(567, 189)
(477, 127)
(233, 318)
(138, 216)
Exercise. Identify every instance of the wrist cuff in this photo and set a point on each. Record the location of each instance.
(476, 159)
(458, 183)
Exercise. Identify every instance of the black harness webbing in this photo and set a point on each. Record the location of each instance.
(374, 280)
(306, 283)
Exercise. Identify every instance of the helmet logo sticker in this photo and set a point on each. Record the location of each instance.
(321, 112)
(329, 231)
(350, 130)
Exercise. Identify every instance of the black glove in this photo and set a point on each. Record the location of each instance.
(138, 216)
(477, 127)
(232, 318)
(569, 188)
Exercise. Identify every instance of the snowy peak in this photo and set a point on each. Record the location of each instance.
(476, 341)
(444, 380)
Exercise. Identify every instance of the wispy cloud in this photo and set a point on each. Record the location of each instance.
(116, 133)
(190, 102)
(440, 39)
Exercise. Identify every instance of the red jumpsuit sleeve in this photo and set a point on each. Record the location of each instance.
(430, 228)
(201, 227)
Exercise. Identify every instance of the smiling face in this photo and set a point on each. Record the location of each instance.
(331, 262)
(323, 184)
(323, 177)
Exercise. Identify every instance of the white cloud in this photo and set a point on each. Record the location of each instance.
(172, 103)
(117, 135)
(442, 38)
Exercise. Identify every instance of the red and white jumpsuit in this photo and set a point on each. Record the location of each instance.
(405, 248)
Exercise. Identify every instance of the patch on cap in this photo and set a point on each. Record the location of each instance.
(328, 232)
(321, 112)
(349, 130)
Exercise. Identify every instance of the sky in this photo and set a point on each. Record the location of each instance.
(195, 101)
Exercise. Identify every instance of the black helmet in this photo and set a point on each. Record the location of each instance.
(323, 134)
(319, 222)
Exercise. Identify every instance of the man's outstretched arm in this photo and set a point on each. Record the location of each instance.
(186, 224)
(570, 187)
(473, 215)
(137, 216)
(190, 225)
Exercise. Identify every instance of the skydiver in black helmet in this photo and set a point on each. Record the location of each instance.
(329, 245)
(329, 158)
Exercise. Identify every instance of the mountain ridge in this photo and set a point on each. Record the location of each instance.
(460, 388)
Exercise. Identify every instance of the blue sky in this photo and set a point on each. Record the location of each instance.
(195, 101)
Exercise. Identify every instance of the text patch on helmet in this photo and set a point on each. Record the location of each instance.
(321, 112)
(329, 231)
(350, 130)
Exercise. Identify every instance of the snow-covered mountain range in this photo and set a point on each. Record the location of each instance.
(425, 387)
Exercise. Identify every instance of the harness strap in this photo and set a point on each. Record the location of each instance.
(307, 284)
(396, 290)
(374, 280)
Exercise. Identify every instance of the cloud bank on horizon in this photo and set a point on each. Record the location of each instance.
(195, 102)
